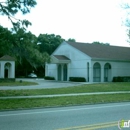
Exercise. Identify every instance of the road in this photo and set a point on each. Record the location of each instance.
(86, 117)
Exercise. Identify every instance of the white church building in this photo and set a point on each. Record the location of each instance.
(94, 62)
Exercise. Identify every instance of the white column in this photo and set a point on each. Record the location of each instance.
(62, 72)
(2, 70)
(102, 72)
(68, 72)
(12, 70)
(90, 72)
(56, 72)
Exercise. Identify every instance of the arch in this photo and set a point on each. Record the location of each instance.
(59, 72)
(7, 70)
(96, 72)
(65, 72)
(107, 72)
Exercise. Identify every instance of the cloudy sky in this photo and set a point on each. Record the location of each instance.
(83, 20)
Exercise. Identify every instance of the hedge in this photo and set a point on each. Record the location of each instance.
(77, 79)
(121, 79)
(49, 78)
(7, 79)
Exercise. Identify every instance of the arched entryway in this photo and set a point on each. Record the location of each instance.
(107, 72)
(7, 70)
(96, 72)
(59, 72)
(65, 72)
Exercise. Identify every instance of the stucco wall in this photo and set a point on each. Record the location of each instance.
(51, 70)
(117, 69)
(121, 69)
(78, 65)
(11, 70)
(79, 61)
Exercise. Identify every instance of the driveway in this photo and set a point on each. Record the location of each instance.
(42, 84)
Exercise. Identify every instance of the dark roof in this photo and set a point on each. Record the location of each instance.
(97, 51)
(61, 57)
(7, 58)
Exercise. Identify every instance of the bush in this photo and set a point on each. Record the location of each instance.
(77, 79)
(49, 78)
(121, 79)
(7, 79)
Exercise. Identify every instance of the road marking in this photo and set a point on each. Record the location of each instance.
(65, 110)
(93, 126)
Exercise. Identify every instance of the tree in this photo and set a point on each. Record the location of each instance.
(10, 8)
(49, 42)
(5, 41)
(96, 42)
(71, 40)
(126, 8)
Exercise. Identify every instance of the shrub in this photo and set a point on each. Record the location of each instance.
(77, 79)
(121, 79)
(49, 78)
(7, 79)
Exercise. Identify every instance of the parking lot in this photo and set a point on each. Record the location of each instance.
(41, 84)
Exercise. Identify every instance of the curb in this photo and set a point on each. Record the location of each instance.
(65, 95)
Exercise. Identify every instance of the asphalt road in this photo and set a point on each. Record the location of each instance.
(101, 116)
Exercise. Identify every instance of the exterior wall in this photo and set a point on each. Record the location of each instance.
(11, 69)
(78, 65)
(117, 69)
(51, 70)
(82, 65)
(121, 69)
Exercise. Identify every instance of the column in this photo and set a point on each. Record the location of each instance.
(102, 72)
(68, 72)
(90, 72)
(2, 70)
(62, 72)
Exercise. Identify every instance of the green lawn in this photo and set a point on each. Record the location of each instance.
(17, 83)
(61, 101)
(103, 87)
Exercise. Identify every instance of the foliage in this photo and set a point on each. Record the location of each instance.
(77, 79)
(10, 8)
(96, 42)
(121, 79)
(25, 47)
(8, 80)
(49, 42)
(71, 40)
(5, 41)
(49, 78)
(126, 7)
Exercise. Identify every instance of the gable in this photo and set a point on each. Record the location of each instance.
(70, 52)
(97, 51)
(7, 58)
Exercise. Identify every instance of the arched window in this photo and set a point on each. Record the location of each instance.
(96, 72)
(7, 73)
(107, 72)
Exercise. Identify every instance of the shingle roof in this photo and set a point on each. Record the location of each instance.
(97, 51)
(7, 58)
(61, 57)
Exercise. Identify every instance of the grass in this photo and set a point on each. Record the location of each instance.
(61, 101)
(17, 83)
(104, 87)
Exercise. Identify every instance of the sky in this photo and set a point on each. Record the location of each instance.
(84, 20)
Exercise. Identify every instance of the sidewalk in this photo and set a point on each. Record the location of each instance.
(63, 95)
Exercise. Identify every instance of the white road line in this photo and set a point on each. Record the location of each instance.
(65, 110)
